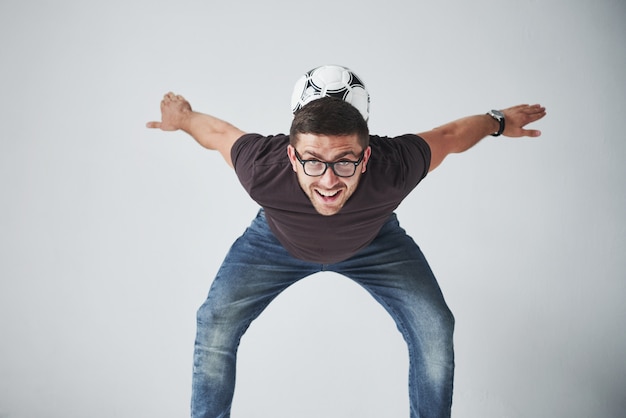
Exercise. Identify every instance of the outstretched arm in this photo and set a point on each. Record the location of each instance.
(210, 132)
(462, 134)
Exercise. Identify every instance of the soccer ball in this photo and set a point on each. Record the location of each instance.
(331, 80)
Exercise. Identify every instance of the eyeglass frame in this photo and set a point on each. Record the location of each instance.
(331, 165)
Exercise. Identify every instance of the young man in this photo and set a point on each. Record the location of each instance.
(327, 193)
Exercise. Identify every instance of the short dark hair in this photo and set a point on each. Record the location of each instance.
(329, 116)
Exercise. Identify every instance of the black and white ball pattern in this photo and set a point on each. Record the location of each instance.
(331, 80)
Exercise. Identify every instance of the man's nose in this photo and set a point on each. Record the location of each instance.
(329, 179)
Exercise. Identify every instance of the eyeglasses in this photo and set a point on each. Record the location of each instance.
(317, 168)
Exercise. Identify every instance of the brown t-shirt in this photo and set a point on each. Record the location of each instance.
(395, 167)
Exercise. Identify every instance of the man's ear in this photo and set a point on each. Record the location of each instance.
(291, 152)
(366, 158)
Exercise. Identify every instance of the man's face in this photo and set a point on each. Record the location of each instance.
(328, 192)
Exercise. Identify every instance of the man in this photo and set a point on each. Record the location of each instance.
(327, 193)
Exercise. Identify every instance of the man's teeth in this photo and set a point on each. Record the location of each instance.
(328, 194)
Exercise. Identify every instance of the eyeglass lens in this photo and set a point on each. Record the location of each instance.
(341, 168)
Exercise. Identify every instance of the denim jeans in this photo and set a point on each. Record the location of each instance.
(392, 269)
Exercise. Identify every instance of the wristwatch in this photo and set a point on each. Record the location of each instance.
(498, 116)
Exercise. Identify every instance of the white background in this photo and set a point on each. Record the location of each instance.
(110, 233)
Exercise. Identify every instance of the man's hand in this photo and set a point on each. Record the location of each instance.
(175, 113)
(209, 131)
(517, 117)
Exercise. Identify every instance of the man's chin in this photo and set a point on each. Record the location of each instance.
(327, 205)
(326, 210)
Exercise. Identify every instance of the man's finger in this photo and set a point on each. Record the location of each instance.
(531, 132)
(153, 125)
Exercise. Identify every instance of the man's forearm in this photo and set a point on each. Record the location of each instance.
(462, 134)
(207, 130)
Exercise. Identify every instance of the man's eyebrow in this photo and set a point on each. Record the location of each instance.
(337, 157)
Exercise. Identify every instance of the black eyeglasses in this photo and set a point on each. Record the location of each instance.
(317, 168)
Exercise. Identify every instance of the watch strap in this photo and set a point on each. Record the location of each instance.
(499, 117)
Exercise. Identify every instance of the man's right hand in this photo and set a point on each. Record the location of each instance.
(209, 131)
(175, 113)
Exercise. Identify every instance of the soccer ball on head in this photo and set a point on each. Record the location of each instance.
(331, 80)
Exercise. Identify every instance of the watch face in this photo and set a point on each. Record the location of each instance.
(497, 113)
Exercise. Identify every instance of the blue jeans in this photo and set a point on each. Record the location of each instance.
(258, 268)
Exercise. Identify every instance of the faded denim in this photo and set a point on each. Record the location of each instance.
(392, 269)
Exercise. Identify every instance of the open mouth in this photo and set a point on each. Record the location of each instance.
(328, 195)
